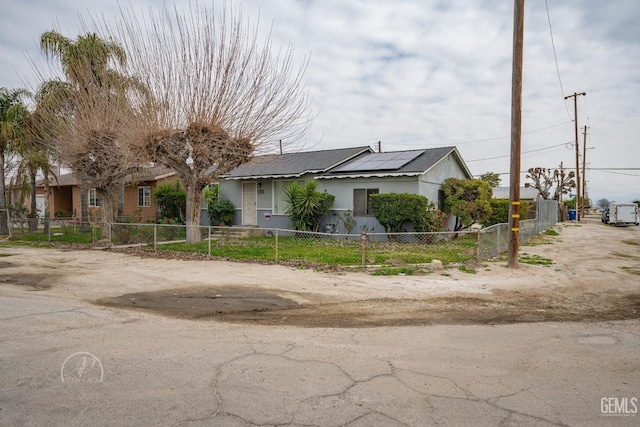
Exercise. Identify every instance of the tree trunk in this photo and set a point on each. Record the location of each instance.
(194, 204)
(84, 205)
(121, 201)
(47, 205)
(4, 213)
(33, 214)
(106, 212)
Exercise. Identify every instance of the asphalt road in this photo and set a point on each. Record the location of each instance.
(67, 362)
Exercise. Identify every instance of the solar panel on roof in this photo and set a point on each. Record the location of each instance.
(380, 161)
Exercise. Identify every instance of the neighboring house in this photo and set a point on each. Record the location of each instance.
(526, 193)
(351, 175)
(64, 198)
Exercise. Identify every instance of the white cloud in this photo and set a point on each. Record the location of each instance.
(417, 73)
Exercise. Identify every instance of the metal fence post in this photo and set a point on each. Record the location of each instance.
(209, 249)
(276, 242)
(478, 246)
(363, 248)
(9, 224)
(155, 237)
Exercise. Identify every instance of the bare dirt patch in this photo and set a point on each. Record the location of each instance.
(589, 273)
(238, 305)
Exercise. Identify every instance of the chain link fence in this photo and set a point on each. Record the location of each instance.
(285, 246)
(70, 230)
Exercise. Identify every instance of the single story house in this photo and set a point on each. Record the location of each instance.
(349, 174)
(64, 197)
(256, 187)
(526, 193)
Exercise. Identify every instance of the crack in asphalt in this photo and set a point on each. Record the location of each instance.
(362, 410)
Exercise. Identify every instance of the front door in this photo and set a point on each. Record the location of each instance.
(249, 211)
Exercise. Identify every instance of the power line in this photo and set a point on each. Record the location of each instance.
(555, 58)
(509, 136)
(586, 109)
(564, 144)
(487, 139)
(606, 170)
(618, 173)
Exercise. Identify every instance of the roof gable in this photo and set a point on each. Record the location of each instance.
(295, 164)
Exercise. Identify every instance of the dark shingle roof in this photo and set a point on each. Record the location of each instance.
(295, 164)
(145, 174)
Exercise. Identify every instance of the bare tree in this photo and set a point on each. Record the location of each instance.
(217, 95)
(543, 180)
(603, 203)
(564, 183)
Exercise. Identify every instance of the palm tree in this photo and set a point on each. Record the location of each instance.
(53, 109)
(12, 116)
(86, 63)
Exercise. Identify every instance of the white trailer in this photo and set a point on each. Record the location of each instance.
(623, 214)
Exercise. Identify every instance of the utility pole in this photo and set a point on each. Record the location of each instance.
(575, 120)
(516, 132)
(584, 170)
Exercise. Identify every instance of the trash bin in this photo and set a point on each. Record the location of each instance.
(572, 214)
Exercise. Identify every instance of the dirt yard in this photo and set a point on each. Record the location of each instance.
(594, 275)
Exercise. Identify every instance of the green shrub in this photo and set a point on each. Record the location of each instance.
(467, 199)
(220, 210)
(306, 205)
(394, 211)
(499, 212)
(172, 201)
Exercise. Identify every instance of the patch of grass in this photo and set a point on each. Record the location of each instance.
(39, 245)
(4, 255)
(551, 232)
(621, 255)
(535, 260)
(631, 242)
(467, 270)
(58, 235)
(331, 251)
(632, 270)
(393, 271)
(537, 241)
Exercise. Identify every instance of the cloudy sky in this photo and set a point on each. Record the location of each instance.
(424, 73)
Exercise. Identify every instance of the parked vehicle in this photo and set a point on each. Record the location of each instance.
(623, 214)
(605, 215)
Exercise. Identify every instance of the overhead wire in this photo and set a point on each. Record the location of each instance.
(524, 152)
(555, 58)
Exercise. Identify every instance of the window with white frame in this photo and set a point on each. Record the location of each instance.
(361, 201)
(94, 201)
(144, 197)
(280, 206)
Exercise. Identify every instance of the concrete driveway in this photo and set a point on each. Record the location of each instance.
(67, 362)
